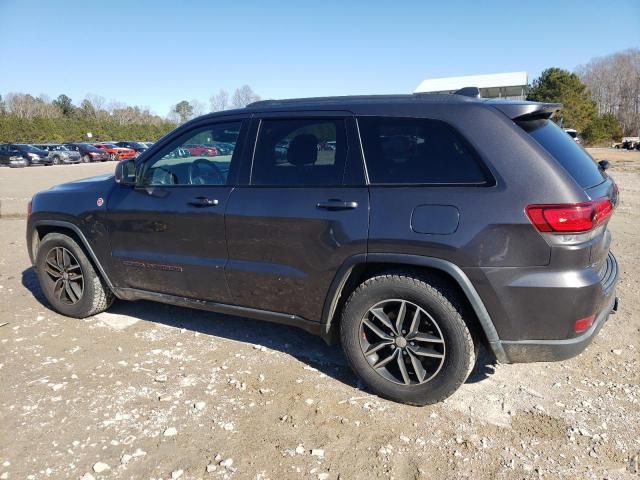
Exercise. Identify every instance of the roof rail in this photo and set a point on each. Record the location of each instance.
(473, 92)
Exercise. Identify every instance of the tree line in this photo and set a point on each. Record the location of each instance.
(601, 99)
(29, 119)
(25, 118)
(186, 110)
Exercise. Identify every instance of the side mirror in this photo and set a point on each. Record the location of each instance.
(604, 164)
(126, 172)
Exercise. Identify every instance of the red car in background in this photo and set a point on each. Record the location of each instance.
(114, 152)
(201, 150)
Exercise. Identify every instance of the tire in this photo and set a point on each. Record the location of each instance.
(86, 159)
(90, 293)
(441, 332)
(56, 160)
(113, 156)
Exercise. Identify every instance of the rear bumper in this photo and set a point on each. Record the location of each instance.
(549, 350)
(526, 351)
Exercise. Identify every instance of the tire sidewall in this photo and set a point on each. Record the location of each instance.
(458, 352)
(81, 308)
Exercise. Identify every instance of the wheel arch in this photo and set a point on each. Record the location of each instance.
(358, 268)
(41, 228)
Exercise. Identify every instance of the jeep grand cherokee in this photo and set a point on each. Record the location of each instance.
(435, 224)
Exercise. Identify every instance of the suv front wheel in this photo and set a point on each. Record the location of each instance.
(405, 337)
(68, 279)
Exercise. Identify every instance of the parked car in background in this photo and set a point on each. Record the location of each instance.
(201, 150)
(627, 143)
(11, 157)
(138, 147)
(59, 153)
(573, 133)
(30, 154)
(115, 152)
(88, 153)
(223, 148)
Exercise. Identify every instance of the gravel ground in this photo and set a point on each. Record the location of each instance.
(151, 391)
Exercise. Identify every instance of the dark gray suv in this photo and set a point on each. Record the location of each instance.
(411, 228)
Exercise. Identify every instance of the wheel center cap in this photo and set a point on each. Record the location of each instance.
(65, 275)
(401, 342)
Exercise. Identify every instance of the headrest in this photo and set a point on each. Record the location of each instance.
(303, 150)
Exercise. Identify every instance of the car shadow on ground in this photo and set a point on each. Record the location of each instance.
(301, 345)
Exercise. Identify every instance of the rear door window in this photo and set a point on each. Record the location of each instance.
(565, 150)
(418, 151)
(300, 152)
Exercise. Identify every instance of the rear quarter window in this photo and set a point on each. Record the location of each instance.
(418, 151)
(573, 158)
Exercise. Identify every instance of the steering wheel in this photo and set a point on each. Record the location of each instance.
(205, 172)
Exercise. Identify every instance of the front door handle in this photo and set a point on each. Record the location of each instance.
(334, 204)
(203, 202)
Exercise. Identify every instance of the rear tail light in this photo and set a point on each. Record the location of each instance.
(583, 324)
(570, 218)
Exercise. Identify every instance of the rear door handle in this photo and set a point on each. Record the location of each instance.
(203, 202)
(337, 205)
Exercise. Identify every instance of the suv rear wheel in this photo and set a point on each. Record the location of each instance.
(68, 279)
(405, 337)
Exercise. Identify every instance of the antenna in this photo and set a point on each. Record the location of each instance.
(468, 92)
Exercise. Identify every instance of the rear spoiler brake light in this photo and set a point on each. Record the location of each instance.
(527, 110)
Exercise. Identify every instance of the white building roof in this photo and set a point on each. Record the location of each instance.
(492, 80)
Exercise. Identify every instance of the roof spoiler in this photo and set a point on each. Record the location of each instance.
(527, 110)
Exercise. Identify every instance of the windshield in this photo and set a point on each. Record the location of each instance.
(28, 148)
(90, 148)
(565, 150)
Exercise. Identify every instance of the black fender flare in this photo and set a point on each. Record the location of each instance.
(85, 243)
(455, 272)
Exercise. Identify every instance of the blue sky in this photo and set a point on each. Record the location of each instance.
(156, 53)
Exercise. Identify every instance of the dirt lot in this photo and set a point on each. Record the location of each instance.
(150, 391)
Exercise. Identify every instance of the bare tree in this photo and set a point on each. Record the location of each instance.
(98, 101)
(219, 102)
(27, 106)
(184, 110)
(197, 108)
(243, 96)
(98, 104)
(614, 83)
